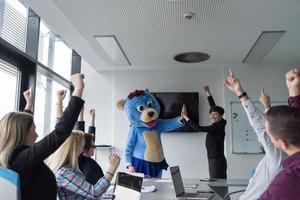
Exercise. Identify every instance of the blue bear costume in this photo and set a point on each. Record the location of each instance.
(143, 149)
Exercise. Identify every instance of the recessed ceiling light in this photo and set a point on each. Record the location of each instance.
(263, 45)
(191, 57)
(113, 49)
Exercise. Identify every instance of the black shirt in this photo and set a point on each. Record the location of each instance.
(90, 168)
(37, 180)
(215, 134)
(214, 139)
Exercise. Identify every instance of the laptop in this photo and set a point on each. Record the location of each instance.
(179, 188)
(128, 186)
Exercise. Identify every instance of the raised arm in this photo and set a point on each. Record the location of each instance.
(210, 99)
(28, 95)
(73, 181)
(42, 149)
(80, 124)
(92, 127)
(60, 96)
(265, 99)
(193, 125)
(293, 85)
(255, 117)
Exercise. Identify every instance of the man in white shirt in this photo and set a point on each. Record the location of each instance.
(270, 165)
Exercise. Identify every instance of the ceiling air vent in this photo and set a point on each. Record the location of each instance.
(191, 57)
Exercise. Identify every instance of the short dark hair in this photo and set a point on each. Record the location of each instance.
(284, 123)
(89, 139)
(217, 109)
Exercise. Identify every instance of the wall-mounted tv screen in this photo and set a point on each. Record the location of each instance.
(171, 105)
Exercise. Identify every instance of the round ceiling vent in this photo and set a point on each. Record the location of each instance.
(191, 57)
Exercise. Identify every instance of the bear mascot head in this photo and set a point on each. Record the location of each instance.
(141, 108)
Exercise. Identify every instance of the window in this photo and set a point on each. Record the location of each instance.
(45, 104)
(53, 52)
(9, 76)
(48, 73)
(13, 23)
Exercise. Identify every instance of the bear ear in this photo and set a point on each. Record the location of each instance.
(120, 104)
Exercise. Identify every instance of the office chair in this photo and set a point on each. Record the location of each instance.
(227, 196)
(9, 184)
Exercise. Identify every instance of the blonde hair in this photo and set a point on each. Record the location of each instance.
(14, 127)
(67, 154)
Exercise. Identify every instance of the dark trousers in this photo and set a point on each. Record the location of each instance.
(217, 167)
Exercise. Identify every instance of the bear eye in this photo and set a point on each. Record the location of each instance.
(140, 108)
(149, 104)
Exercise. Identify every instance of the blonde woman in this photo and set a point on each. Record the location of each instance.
(71, 181)
(19, 152)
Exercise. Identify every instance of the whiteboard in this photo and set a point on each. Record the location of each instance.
(244, 139)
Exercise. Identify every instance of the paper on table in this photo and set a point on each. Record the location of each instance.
(163, 181)
(147, 189)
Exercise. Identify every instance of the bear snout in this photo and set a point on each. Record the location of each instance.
(150, 114)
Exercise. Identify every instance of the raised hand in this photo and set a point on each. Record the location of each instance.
(206, 88)
(130, 169)
(92, 112)
(292, 78)
(114, 161)
(233, 84)
(92, 117)
(77, 81)
(61, 94)
(265, 99)
(184, 114)
(28, 95)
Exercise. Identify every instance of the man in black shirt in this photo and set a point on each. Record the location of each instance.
(214, 139)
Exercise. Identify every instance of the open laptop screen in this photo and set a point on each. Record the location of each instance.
(177, 181)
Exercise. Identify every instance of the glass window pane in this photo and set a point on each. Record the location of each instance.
(44, 43)
(53, 52)
(62, 58)
(13, 23)
(45, 104)
(9, 76)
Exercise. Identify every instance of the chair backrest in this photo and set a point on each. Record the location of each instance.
(9, 184)
(230, 196)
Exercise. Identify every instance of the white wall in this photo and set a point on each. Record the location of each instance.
(184, 149)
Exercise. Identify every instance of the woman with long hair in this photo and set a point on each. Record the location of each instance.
(71, 181)
(19, 152)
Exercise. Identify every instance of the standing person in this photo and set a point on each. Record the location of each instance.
(214, 139)
(19, 152)
(71, 181)
(90, 168)
(270, 165)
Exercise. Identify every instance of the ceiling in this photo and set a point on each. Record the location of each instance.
(151, 32)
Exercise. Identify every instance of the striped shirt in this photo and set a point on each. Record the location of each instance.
(71, 185)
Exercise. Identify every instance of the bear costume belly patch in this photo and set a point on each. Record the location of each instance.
(153, 151)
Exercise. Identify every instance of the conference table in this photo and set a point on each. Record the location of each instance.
(219, 188)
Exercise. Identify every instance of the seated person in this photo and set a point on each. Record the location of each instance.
(270, 165)
(19, 152)
(87, 165)
(70, 180)
(283, 125)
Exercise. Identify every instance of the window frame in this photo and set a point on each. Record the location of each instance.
(27, 62)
